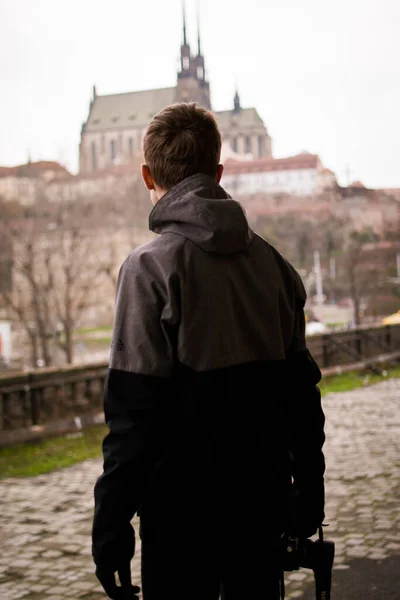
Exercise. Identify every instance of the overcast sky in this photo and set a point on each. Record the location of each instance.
(324, 75)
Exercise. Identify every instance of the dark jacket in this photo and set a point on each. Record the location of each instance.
(210, 397)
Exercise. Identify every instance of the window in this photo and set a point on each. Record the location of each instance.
(130, 146)
(185, 62)
(260, 145)
(248, 144)
(113, 150)
(200, 72)
(103, 144)
(234, 144)
(94, 156)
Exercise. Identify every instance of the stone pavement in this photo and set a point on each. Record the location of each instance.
(45, 521)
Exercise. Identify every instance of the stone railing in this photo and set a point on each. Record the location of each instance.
(63, 399)
(50, 395)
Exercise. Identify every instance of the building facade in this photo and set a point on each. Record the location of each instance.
(113, 131)
(301, 175)
(114, 181)
(25, 183)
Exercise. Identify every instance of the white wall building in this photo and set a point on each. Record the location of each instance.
(301, 175)
(24, 183)
(23, 189)
(113, 181)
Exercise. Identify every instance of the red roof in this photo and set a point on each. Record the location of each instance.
(5, 171)
(115, 170)
(33, 169)
(259, 165)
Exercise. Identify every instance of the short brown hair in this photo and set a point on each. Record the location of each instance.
(181, 140)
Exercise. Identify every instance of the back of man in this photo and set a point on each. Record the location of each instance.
(210, 398)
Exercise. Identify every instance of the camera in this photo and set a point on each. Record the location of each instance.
(317, 555)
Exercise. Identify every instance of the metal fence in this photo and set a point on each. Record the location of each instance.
(368, 346)
(49, 395)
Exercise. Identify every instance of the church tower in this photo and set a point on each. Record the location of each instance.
(192, 85)
(112, 134)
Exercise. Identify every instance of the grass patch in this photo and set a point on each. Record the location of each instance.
(30, 459)
(354, 379)
(98, 340)
(86, 330)
(36, 458)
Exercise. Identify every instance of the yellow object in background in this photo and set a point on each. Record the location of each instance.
(392, 319)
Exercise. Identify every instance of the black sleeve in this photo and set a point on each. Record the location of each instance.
(306, 428)
(136, 397)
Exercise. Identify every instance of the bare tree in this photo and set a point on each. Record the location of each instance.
(65, 261)
(128, 226)
(364, 270)
(56, 269)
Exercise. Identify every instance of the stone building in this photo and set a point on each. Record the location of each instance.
(116, 123)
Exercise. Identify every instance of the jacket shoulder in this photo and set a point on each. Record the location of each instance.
(161, 251)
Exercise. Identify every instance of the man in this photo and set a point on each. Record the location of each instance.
(211, 397)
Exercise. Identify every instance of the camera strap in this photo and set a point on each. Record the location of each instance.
(282, 585)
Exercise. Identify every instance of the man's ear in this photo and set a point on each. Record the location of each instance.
(147, 178)
(220, 170)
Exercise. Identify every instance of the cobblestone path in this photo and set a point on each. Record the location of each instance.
(45, 521)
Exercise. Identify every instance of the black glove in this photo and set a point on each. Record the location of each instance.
(112, 553)
(126, 591)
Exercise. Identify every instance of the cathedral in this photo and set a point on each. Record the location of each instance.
(114, 129)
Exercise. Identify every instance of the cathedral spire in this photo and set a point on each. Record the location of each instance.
(185, 48)
(198, 29)
(192, 83)
(184, 22)
(236, 102)
(199, 60)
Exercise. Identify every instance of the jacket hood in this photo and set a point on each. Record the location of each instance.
(199, 209)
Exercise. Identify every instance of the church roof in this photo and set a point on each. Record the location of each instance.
(136, 109)
(227, 119)
(127, 110)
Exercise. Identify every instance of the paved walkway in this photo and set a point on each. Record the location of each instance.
(45, 521)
